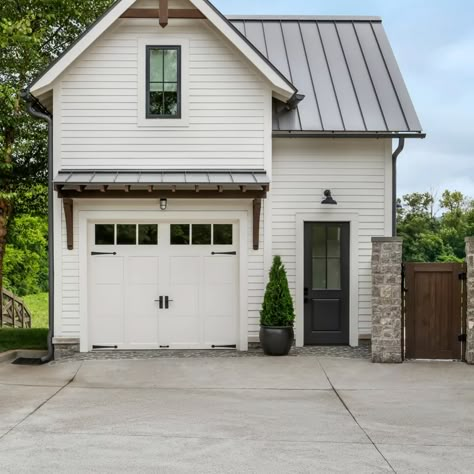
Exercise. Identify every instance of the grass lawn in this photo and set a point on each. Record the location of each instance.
(38, 305)
(37, 336)
(23, 339)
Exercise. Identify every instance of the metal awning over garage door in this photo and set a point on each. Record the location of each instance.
(162, 184)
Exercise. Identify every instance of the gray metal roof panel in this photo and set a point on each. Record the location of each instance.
(345, 68)
(161, 177)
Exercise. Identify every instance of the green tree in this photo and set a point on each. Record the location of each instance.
(26, 256)
(32, 34)
(277, 308)
(429, 238)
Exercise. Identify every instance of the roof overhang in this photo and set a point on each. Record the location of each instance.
(345, 134)
(282, 88)
(193, 184)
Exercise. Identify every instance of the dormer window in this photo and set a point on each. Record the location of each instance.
(163, 82)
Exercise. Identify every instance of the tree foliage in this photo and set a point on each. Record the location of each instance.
(429, 237)
(26, 256)
(277, 308)
(32, 34)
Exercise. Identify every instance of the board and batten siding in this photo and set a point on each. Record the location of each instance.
(96, 120)
(358, 173)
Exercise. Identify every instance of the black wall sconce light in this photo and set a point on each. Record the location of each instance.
(328, 199)
(163, 204)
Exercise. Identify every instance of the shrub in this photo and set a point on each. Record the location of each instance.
(277, 308)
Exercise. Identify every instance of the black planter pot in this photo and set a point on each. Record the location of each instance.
(276, 340)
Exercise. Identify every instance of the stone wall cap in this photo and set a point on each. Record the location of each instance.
(469, 239)
(66, 340)
(387, 239)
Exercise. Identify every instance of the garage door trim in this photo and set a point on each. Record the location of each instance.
(87, 217)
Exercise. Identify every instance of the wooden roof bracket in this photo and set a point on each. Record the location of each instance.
(68, 217)
(163, 13)
(257, 207)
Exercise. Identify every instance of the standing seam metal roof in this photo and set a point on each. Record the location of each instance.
(344, 66)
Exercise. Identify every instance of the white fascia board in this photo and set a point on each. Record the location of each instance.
(44, 82)
(282, 89)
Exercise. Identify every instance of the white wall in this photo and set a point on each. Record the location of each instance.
(358, 172)
(96, 105)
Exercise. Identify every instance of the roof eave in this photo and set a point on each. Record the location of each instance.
(345, 134)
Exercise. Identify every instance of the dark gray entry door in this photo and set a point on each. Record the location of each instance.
(326, 283)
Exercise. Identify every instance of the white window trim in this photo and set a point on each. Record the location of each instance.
(328, 216)
(142, 120)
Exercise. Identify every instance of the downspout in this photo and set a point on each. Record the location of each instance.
(32, 104)
(399, 149)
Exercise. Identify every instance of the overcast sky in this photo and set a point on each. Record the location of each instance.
(433, 41)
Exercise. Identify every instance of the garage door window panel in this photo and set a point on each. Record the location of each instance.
(104, 234)
(148, 234)
(201, 234)
(222, 234)
(180, 234)
(126, 234)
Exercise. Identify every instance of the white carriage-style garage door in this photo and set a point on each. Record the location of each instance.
(163, 285)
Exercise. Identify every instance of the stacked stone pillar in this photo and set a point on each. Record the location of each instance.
(470, 300)
(387, 299)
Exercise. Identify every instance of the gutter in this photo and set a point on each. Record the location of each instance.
(399, 149)
(36, 110)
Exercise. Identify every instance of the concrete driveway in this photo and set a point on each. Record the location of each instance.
(276, 415)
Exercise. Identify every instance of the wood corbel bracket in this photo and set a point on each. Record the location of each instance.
(257, 207)
(68, 217)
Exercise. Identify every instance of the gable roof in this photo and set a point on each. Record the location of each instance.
(282, 87)
(346, 69)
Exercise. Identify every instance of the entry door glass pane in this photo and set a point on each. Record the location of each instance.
(126, 234)
(326, 256)
(179, 234)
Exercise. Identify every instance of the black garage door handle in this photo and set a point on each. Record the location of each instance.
(224, 253)
(103, 253)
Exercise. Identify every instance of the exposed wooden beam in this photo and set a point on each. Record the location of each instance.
(163, 13)
(150, 188)
(181, 13)
(157, 194)
(243, 189)
(68, 217)
(257, 207)
(127, 188)
(220, 188)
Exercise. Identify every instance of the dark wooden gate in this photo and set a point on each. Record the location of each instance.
(434, 310)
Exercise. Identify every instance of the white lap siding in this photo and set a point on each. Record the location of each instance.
(358, 173)
(99, 95)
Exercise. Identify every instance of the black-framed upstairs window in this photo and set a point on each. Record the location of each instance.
(163, 82)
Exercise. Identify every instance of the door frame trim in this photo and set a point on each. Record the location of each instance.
(328, 216)
(87, 217)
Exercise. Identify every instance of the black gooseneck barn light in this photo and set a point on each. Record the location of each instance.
(328, 199)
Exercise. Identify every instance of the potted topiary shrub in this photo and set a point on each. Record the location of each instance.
(277, 314)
